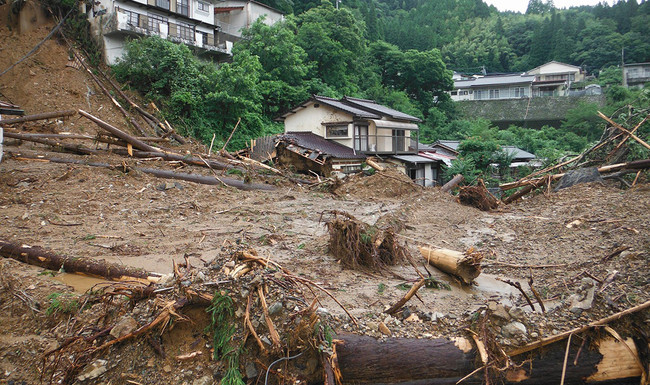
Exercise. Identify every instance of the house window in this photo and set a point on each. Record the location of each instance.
(203, 6)
(351, 169)
(463, 92)
(154, 21)
(519, 92)
(162, 4)
(186, 31)
(478, 95)
(183, 7)
(361, 138)
(454, 93)
(494, 94)
(399, 140)
(339, 131)
(131, 18)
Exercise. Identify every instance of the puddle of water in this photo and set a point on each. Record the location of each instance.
(80, 283)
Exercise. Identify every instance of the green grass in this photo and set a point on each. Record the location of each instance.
(62, 303)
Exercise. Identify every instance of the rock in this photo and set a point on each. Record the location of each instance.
(94, 370)
(266, 340)
(581, 175)
(275, 308)
(205, 380)
(251, 370)
(584, 298)
(124, 326)
(384, 329)
(200, 277)
(517, 313)
(323, 312)
(513, 329)
(498, 310)
(413, 318)
(374, 326)
(167, 368)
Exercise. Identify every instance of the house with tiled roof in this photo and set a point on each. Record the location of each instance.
(355, 129)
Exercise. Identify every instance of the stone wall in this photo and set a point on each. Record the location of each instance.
(534, 112)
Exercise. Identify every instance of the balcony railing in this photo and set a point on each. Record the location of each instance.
(386, 144)
(125, 21)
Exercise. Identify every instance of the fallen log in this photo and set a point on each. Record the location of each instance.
(370, 162)
(452, 183)
(117, 104)
(635, 165)
(43, 116)
(192, 160)
(149, 118)
(209, 180)
(364, 360)
(461, 265)
(73, 148)
(37, 256)
(140, 145)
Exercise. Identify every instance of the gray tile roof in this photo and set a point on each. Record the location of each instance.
(341, 105)
(314, 142)
(517, 153)
(379, 109)
(494, 81)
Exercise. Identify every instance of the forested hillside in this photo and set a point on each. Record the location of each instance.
(400, 53)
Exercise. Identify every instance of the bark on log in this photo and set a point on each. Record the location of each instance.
(478, 196)
(38, 256)
(195, 161)
(43, 116)
(73, 148)
(452, 183)
(465, 267)
(140, 145)
(209, 180)
(364, 360)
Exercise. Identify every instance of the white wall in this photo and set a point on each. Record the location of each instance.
(309, 119)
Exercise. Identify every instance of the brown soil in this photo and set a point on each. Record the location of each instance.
(138, 220)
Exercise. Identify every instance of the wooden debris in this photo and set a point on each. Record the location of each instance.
(140, 145)
(455, 181)
(359, 245)
(35, 255)
(202, 179)
(371, 162)
(414, 289)
(478, 196)
(465, 266)
(43, 116)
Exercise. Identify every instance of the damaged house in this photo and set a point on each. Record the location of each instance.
(327, 135)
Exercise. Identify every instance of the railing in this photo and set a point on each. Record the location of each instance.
(228, 28)
(385, 144)
(142, 24)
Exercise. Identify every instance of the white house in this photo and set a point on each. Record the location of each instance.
(492, 87)
(550, 79)
(636, 74)
(189, 22)
(364, 128)
(555, 78)
(232, 16)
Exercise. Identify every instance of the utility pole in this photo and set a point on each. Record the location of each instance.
(337, 3)
(624, 81)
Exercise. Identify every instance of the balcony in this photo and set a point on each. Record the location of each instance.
(125, 22)
(386, 144)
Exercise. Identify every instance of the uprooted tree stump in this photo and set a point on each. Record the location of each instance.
(478, 196)
(359, 245)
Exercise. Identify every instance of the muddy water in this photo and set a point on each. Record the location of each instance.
(80, 283)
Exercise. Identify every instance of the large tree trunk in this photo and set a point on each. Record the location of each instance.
(365, 360)
(38, 256)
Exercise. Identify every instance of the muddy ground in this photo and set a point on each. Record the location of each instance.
(138, 220)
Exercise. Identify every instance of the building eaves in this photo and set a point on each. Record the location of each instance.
(373, 106)
(311, 141)
(494, 81)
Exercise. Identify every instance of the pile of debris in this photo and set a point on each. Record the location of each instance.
(609, 156)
